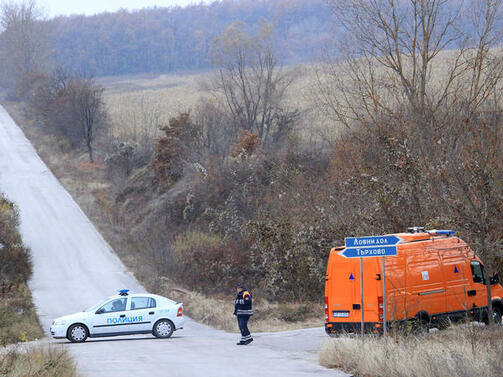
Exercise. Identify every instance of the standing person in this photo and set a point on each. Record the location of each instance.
(243, 310)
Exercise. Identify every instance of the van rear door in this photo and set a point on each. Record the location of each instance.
(342, 289)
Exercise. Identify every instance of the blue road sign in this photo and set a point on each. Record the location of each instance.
(364, 252)
(372, 241)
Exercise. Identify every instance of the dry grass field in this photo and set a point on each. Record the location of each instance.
(466, 350)
(140, 103)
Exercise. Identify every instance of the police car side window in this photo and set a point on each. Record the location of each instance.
(117, 305)
(142, 303)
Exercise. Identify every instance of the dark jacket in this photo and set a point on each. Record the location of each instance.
(243, 303)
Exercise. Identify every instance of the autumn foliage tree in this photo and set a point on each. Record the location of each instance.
(179, 145)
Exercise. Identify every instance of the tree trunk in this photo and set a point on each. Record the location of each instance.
(490, 319)
(90, 149)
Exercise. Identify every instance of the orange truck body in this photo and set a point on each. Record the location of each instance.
(432, 278)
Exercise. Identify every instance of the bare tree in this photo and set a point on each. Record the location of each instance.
(252, 83)
(421, 53)
(472, 187)
(483, 59)
(87, 109)
(23, 44)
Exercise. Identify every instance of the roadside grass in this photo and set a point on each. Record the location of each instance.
(466, 350)
(217, 311)
(18, 318)
(38, 361)
(91, 190)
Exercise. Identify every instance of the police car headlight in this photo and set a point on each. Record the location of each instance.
(58, 322)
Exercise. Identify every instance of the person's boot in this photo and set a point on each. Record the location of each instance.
(246, 342)
(241, 343)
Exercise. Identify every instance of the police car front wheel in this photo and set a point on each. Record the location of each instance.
(163, 328)
(77, 333)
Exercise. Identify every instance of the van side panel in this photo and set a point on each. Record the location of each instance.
(426, 284)
(396, 280)
(458, 276)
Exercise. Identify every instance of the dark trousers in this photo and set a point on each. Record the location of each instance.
(243, 327)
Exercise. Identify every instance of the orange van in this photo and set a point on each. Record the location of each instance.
(435, 277)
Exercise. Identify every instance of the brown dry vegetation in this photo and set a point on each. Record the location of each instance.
(18, 319)
(89, 186)
(462, 351)
(36, 361)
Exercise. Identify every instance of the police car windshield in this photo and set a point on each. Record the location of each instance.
(95, 307)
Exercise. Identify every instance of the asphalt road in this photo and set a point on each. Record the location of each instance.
(74, 268)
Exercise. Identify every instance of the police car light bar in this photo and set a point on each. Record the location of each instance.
(123, 292)
(447, 233)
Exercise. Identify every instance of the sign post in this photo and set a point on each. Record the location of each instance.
(367, 247)
(384, 325)
(361, 295)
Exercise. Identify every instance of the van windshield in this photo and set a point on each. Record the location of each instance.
(478, 272)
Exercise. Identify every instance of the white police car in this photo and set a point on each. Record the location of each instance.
(124, 314)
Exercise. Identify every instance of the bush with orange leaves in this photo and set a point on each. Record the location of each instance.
(246, 146)
(179, 146)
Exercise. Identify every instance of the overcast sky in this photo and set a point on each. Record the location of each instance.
(66, 7)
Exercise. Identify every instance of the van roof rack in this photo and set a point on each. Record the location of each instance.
(415, 229)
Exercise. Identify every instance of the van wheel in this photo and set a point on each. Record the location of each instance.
(420, 326)
(443, 324)
(497, 316)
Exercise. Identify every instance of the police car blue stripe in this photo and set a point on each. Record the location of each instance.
(123, 324)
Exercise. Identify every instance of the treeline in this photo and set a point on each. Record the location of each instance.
(176, 38)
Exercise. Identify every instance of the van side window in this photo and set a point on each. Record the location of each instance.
(478, 272)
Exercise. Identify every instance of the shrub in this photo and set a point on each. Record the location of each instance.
(247, 144)
(15, 265)
(175, 149)
(206, 262)
(18, 319)
(37, 362)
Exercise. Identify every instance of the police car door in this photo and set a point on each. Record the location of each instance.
(111, 318)
(143, 310)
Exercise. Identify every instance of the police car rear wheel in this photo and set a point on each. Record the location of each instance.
(77, 333)
(163, 328)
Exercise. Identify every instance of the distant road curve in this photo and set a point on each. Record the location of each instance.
(74, 268)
